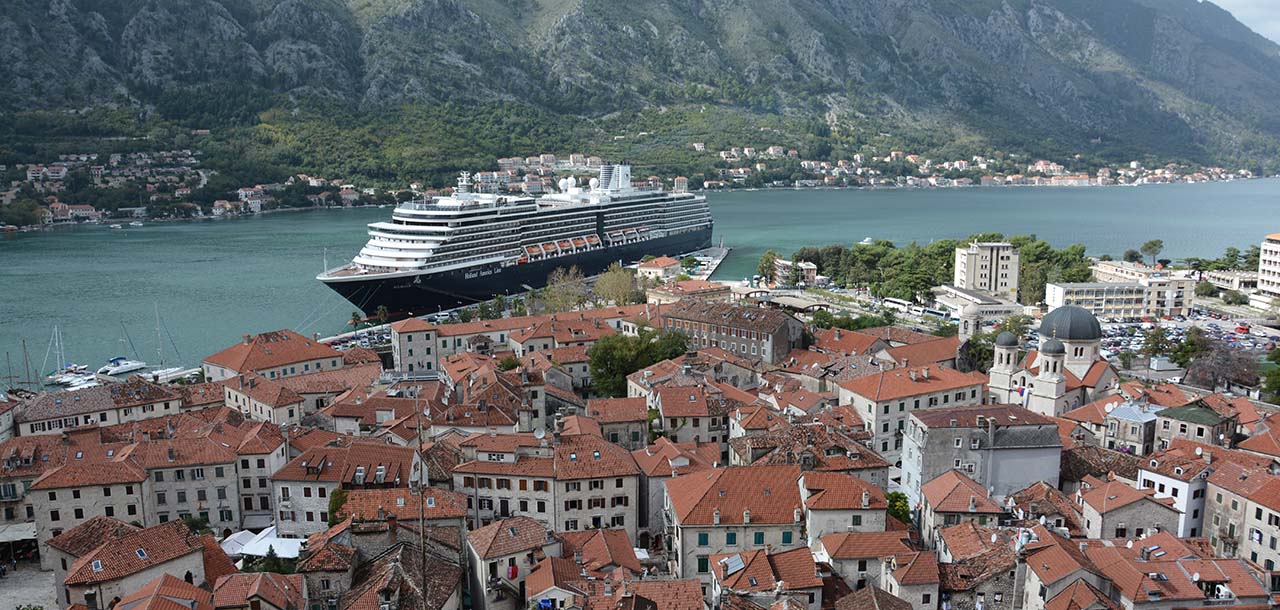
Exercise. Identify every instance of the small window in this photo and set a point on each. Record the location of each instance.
(141, 553)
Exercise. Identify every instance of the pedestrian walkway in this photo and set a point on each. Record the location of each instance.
(29, 586)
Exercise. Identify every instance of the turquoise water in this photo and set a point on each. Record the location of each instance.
(215, 280)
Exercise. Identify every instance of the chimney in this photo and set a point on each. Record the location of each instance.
(924, 372)
(393, 528)
(577, 557)
(246, 338)
(715, 517)
(866, 499)
(1146, 553)
(171, 456)
(1208, 457)
(746, 516)
(973, 503)
(912, 375)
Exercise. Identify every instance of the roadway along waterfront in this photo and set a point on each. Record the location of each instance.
(214, 280)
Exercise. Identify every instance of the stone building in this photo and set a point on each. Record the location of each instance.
(1113, 509)
(1001, 447)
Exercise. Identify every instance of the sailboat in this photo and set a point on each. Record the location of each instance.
(67, 372)
(163, 374)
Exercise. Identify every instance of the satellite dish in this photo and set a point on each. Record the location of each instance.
(595, 183)
(1222, 436)
(1199, 451)
(1111, 406)
(994, 538)
(1128, 545)
(1043, 520)
(564, 184)
(540, 434)
(573, 182)
(1195, 577)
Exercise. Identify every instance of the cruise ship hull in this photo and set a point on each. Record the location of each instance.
(430, 293)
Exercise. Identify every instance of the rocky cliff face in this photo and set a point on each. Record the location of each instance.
(1154, 70)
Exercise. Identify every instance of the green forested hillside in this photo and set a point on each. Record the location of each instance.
(389, 89)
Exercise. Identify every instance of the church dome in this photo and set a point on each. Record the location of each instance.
(1071, 323)
(1006, 339)
(970, 311)
(1053, 347)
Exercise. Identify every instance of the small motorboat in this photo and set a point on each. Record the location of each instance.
(121, 365)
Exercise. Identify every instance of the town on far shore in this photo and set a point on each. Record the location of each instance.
(654, 441)
(172, 184)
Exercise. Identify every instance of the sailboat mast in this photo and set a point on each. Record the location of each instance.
(26, 364)
(159, 339)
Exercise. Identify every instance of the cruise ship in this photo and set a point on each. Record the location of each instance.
(446, 252)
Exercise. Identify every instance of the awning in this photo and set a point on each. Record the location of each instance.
(285, 548)
(14, 532)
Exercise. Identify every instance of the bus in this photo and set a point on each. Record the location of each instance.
(930, 312)
(896, 304)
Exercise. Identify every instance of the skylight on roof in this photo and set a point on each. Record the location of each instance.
(141, 553)
(97, 565)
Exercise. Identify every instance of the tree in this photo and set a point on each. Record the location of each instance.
(1222, 365)
(356, 319)
(899, 506)
(383, 314)
(1234, 297)
(1156, 343)
(1231, 259)
(1153, 248)
(1132, 256)
(616, 285)
(466, 315)
(1194, 344)
(948, 329)
(1251, 257)
(1206, 289)
(272, 563)
(337, 499)
(614, 357)
(1126, 360)
(566, 289)
(689, 263)
(198, 524)
(508, 362)
(765, 268)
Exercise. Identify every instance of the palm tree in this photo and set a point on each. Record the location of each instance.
(356, 319)
(383, 314)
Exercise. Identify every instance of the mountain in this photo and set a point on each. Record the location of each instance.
(1179, 79)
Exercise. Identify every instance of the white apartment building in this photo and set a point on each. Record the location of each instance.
(1268, 274)
(990, 267)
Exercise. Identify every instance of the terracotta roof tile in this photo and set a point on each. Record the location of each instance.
(618, 410)
(897, 383)
(840, 491)
(366, 504)
(845, 342)
(81, 539)
(917, 568)
(508, 537)
(271, 349)
(1106, 496)
(280, 590)
(769, 492)
(134, 552)
(925, 352)
(872, 598)
(591, 457)
(601, 549)
(165, 592)
(665, 458)
(80, 474)
(761, 570)
(953, 492)
(865, 545)
(339, 463)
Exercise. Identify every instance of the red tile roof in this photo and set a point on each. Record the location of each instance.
(120, 557)
(897, 383)
(269, 392)
(270, 350)
(1106, 496)
(976, 416)
(953, 492)
(618, 410)
(845, 342)
(404, 504)
(840, 491)
(925, 352)
(601, 549)
(665, 458)
(919, 568)
(795, 568)
(339, 463)
(280, 590)
(770, 494)
(87, 536)
(80, 474)
(508, 537)
(687, 401)
(872, 598)
(864, 545)
(165, 592)
(591, 457)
